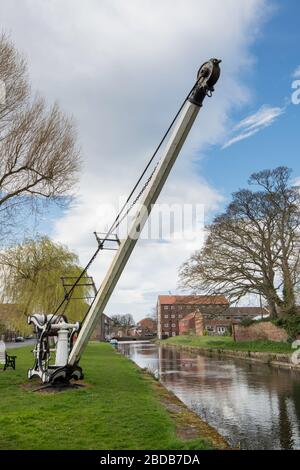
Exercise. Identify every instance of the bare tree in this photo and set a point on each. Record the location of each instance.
(153, 314)
(39, 154)
(253, 248)
(13, 74)
(126, 320)
(284, 202)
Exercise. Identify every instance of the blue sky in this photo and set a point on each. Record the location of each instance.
(122, 71)
(276, 56)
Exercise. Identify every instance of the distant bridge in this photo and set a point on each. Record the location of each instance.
(135, 338)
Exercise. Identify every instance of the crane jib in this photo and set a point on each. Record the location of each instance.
(67, 364)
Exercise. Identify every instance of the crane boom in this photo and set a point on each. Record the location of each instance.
(49, 327)
(208, 75)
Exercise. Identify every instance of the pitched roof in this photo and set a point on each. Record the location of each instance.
(189, 316)
(192, 299)
(146, 321)
(244, 311)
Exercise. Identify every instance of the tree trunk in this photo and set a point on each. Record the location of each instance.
(272, 308)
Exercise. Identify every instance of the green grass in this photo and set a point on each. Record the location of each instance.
(119, 409)
(226, 342)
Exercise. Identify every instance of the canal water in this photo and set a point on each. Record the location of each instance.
(252, 405)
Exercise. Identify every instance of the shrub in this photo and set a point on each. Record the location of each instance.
(247, 322)
(291, 325)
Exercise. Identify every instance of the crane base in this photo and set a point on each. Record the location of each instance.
(56, 374)
(57, 387)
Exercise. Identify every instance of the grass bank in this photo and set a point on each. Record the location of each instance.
(121, 407)
(227, 343)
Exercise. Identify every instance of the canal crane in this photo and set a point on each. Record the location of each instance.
(69, 340)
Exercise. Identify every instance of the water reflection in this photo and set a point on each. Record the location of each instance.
(252, 405)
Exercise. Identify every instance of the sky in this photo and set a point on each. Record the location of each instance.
(122, 69)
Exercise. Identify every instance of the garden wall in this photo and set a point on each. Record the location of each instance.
(262, 330)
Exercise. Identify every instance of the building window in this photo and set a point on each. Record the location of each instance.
(221, 329)
(166, 325)
(173, 325)
(166, 307)
(180, 316)
(166, 316)
(172, 307)
(173, 333)
(173, 316)
(179, 307)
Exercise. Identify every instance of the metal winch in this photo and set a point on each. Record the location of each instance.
(55, 337)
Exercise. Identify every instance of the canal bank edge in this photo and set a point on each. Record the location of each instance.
(188, 424)
(278, 360)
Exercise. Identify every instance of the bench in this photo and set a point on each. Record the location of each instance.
(5, 359)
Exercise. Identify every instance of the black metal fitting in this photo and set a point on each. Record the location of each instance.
(207, 77)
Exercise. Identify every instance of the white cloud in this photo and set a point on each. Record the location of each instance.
(264, 117)
(122, 69)
(296, 73)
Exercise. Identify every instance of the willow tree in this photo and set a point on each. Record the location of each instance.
(253, 247)
(39, 152)
(31, 275)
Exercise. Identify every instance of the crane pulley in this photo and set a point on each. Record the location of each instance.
(68, 351)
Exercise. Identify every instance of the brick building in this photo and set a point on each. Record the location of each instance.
(103, 329)
(187, 324)
(172, 308)
(219, 322)
(148, 325)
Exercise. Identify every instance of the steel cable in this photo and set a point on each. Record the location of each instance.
(118, 220)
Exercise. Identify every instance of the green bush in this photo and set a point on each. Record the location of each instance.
(291, 325)
(247, 322)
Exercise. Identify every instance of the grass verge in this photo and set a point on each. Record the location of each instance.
(227, 343)
(120, 408)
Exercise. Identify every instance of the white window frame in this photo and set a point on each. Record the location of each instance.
(221, 329)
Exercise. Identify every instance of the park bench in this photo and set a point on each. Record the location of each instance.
(5, 359)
